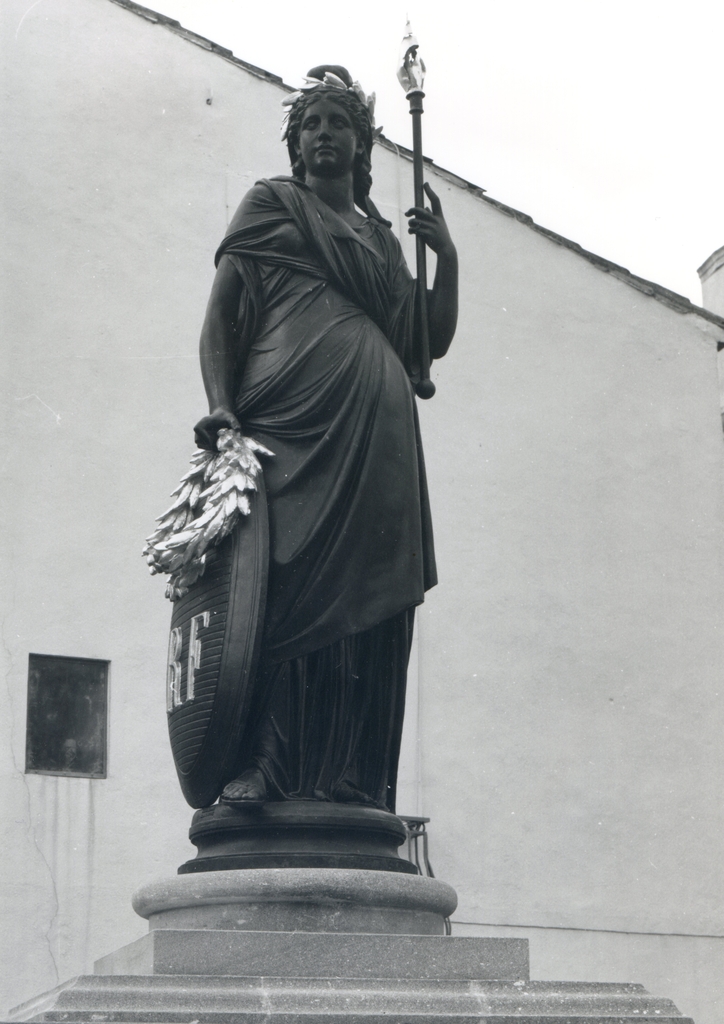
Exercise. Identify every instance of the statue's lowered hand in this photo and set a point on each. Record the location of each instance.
(207, 429)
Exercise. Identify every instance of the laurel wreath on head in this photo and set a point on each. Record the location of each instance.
(208, 503)
(330, 79)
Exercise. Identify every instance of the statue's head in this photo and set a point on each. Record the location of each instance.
(334, 83)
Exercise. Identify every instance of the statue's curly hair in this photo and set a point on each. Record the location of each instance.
(361, 122)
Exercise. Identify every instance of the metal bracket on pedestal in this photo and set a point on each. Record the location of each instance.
(416, 831)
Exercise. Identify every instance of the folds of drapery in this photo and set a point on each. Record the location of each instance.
(332, 720)
(327, 314)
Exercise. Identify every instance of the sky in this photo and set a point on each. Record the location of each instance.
(601, 121)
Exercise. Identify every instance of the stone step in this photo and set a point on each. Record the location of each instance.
(167, 951)
(253, 1000)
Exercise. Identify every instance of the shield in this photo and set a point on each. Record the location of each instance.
(213, 653)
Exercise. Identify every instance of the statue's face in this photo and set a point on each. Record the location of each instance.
(328, 143)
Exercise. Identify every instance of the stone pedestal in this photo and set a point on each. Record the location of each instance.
(331, 958)
(329, 946)
(298, 900)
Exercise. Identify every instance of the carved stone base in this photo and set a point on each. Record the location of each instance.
(297, 834)
(207, 958)
(298, 900)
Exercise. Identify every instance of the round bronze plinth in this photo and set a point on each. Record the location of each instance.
(297, 834)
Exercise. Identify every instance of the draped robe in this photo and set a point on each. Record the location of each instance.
(327, 317)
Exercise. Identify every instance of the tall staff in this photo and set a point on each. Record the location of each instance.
(411, 75)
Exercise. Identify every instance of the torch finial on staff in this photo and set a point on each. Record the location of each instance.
(411, 75)
(411, 70)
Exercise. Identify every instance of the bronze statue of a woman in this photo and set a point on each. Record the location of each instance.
(309, 346)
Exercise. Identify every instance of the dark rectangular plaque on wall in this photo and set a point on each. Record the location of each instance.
(67, 722)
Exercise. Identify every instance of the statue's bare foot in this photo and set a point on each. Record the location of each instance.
(345, 793)
(249, 788)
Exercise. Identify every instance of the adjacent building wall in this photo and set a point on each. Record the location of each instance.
(565, 721)
(571, 675)
(712, 282)
(711, 274)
